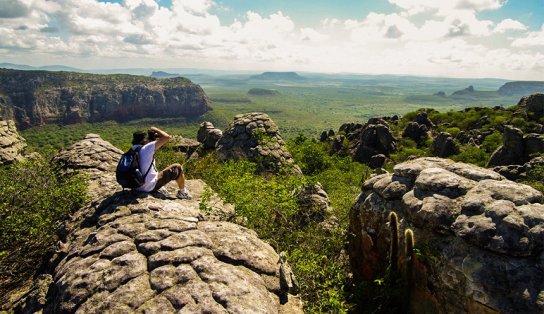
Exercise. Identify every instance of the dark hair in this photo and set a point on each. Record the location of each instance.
(138, 138)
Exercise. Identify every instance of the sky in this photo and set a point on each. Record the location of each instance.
(447, 38)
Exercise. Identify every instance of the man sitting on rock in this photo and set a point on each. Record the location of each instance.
(153, 140)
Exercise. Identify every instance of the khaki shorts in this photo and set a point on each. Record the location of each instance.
(168, 174)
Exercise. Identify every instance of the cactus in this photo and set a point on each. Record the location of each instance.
(394, 253)
(410, 259)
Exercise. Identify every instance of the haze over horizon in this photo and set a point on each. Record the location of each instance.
(457, 38)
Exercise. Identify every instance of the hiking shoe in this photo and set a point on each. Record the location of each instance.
(163, 190)
(184, 195)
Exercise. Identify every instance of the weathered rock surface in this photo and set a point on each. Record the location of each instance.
(39, 97)
(184, 145)
(416, 131)
(520, 172)
(97, 158)
(208, 135)
(368, 140)
(517, 148)
(444, 145)
(534, 104)
(11, 143)
(256, 137)
(314, 201)
(131, 252)
(480, 236)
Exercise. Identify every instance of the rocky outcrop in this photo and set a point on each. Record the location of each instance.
(40, 97)
(314, 202)
(12, 144)
(466, 91)
(254, 136)
(444, 145)
(480, 237)
(520, 172)
(517, 148)
(184, 145)
(208, 135)
(368, 140)
(130, 252)
(96, 158)
(534, 104)
(415, 131)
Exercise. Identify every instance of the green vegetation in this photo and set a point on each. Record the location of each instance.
(34, 201)
(267, 205)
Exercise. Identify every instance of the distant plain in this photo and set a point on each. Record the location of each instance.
(309, 105)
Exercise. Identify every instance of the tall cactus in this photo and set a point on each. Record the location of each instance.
(410, 259)
(394, 253)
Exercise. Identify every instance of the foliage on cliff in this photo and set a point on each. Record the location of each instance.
(34, 200)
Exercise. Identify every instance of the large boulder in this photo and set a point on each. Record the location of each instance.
(534, 104)
(129, 252)
(444, 145)
(480, 237)
(95, 157)
(415, 131)
(373, 138)
(254, 136)
(11, 143)
(208, 135)
(512, 151)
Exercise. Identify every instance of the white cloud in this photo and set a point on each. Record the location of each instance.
(509, 25)
(445, 7)
(428, 43)
(532, 39)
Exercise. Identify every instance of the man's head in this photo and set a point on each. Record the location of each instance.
(139, 138)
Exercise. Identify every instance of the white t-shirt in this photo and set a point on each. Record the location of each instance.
(145, 159)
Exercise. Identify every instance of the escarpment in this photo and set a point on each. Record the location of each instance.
(128, 252)
(479, 237)
(38, 97)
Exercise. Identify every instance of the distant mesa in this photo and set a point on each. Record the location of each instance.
(466, 91)
(33, 98)
(521, 88)
(440, 94)
(162, 74)
(263, 92)
(278, 76)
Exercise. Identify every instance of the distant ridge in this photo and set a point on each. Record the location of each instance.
(43, 68)
(522, 88)
(275, 76)
(162, 74)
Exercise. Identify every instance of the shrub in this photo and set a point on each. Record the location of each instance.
(472, 155)
(492, 142)
(34, 199)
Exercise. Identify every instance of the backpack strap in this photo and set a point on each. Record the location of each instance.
(137, 150)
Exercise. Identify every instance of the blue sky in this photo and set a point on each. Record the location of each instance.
(458, 38)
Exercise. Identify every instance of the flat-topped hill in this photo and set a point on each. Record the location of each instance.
(39, 97)
(521, 88)
(286, 76)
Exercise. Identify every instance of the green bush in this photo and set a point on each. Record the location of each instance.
(311, 157)
(472, 155)
(492, 142)
(34, 200)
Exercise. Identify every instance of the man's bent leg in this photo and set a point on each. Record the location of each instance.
(172, 172)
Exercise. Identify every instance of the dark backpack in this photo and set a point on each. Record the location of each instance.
(128, 172)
